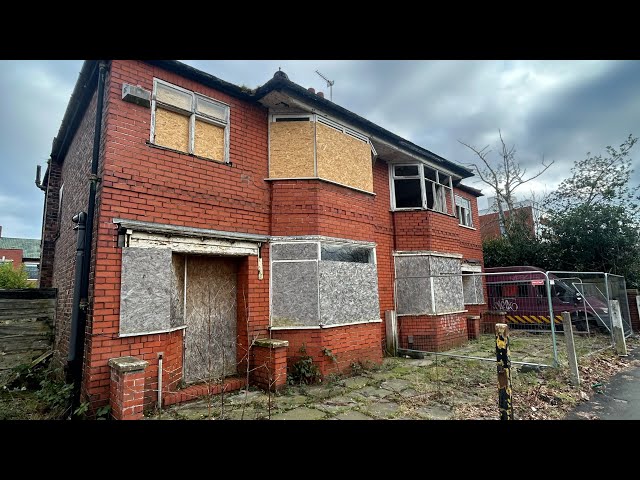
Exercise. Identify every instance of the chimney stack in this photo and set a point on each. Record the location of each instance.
(312, 90)
(321, 94)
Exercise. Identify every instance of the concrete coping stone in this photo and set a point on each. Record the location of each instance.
(271, 343)
(473, 317)
(495, 312)
(127, 364)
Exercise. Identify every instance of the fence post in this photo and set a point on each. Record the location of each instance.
(571, 348)
(617, 329)
(504, 372)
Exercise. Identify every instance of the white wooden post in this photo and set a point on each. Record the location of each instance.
(617, 328)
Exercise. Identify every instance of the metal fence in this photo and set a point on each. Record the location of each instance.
(532, 302)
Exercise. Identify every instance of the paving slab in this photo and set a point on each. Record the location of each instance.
(300, 413)
(352, 415)
(395, 384)
(356, 382)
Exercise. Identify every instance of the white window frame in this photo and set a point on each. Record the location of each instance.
(193, 114)
(423, 186)
(460, 213)
(31, 264)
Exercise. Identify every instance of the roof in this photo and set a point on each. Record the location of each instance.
(466, 188)
(30, 246)
(86, 84)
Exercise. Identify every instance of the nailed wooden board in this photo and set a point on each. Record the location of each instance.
(172, 130)
(209, 141)
(343, 158)
(211, 321)
(291, 147)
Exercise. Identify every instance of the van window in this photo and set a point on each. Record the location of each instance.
(523, 290)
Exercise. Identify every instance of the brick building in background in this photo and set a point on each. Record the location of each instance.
(490, 226)
(225, 216)
(21, 252)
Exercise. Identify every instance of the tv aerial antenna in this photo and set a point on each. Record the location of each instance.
(329, 84)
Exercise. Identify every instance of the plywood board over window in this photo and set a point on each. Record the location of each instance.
(209, 142)
(291, 147)
(343, 158)
(172, 130)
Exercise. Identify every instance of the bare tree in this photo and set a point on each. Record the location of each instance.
(504, 176)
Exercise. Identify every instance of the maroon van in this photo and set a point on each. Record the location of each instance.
(522, 293)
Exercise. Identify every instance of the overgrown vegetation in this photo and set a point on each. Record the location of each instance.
(304, 370)
(37, 393)
(591, 222)
(13, 277)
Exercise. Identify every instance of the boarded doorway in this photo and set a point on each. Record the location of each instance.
(210, 318)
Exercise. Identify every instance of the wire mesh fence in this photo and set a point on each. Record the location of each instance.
(432, 312)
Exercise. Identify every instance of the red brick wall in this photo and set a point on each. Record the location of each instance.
(74, 174)
(12, 254)
(50, 224)
(314, 207)
(432, 333)
(141, 182)
(429, 230)
(490, 226)
(349, 344)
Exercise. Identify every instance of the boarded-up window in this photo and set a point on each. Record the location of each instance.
(308, 146)
(145, 290)
(291, 147)
(189, 122)
(172, 130)
(343, 158)
(341, 288)
(428, 285)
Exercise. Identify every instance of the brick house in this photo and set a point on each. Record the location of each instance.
(225, 216)
(490, 225)
(21, 252)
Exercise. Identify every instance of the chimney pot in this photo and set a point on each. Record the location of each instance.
(312, 90)
(321, 94)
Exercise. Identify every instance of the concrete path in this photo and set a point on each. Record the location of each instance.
(619, 400)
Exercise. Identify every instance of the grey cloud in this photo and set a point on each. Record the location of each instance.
(559, 109)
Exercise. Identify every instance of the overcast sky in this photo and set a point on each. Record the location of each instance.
(559, 109)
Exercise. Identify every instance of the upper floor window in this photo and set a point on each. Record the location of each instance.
(420, 186)
(463, 211)
(189, 122)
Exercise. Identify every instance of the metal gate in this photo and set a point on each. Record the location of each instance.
(210, 317)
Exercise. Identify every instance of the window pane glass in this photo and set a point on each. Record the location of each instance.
(406, 170)
(428, 186)
(430, 174)
(408, 193)
(172, 96)
(211, 109)
(444, 179)
(345, 253)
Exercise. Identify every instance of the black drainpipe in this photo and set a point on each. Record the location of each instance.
(81, 288)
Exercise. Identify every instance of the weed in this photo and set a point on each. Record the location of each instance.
(304, 370)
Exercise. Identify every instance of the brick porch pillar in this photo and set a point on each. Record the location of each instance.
(473, 327)
(269, 363)
(127, 387)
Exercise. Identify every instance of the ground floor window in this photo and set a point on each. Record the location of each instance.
(317, 282)
(428, 283)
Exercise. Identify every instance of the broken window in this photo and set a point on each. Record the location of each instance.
(189, 122)
(346, 253)
(406, 182)
(463, 211)
(419, 186)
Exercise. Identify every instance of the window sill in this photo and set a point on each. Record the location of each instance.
(322, 180)
(416, 209)
(464, 226)
(168, 149)
(310, 327)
